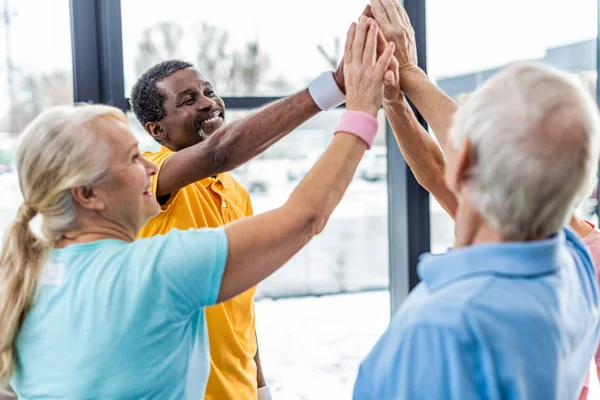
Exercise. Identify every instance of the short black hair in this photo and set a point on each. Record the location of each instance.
(146, 98)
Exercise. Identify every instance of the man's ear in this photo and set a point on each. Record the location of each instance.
(460, 167)
(87, 198)
(156, 131)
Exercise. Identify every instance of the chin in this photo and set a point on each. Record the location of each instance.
(205, 134)
(152, 210)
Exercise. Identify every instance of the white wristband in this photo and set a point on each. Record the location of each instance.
(264, 393)
(325, 92)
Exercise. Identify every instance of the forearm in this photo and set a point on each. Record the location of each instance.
(240, 141)
(433, 104)
(418, 148)
(421, 153)
(235, 143)
(260, 245)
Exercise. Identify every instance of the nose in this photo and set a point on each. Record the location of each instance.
(150, 167)
(206, 103)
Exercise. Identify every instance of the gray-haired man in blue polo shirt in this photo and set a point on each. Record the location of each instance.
(513, 311)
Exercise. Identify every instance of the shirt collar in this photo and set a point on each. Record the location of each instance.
(206, 182)
(508, 259)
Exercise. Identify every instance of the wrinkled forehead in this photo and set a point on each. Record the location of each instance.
(181, 81)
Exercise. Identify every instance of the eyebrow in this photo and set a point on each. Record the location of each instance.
(133, 147)
(184, 92)
(192, 90)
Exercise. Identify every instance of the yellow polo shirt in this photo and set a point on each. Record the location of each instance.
(214, 202)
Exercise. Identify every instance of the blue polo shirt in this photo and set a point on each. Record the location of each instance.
(498, 321)
(116, 320)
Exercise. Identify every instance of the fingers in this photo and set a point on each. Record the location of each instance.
(379, 13)
(370, 53)
(389, 78)
(402, 13)
(391, 11)
(384, 60)
(360, 37)
(349, 41)
(389, 85)
(381, 42)
(367, 11)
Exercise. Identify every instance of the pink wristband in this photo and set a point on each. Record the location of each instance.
(359, 124)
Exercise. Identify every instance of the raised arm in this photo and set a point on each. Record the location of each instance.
(420, 151)
(236, 143)
(259, 245)
(433, 104)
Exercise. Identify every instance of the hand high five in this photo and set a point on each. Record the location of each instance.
(364, 72)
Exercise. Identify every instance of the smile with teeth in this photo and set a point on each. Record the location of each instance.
(216, 118)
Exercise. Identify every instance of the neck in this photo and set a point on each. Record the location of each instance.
(471, 228)
(95, 233)
(580, 226)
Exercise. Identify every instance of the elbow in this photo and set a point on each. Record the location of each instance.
(220, 159)
(422, 181)
(310, 222)
(218, 151)
(315, 224)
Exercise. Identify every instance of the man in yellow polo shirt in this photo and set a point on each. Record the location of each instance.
(184, 114)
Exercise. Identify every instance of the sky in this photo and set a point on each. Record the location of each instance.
(462, 35)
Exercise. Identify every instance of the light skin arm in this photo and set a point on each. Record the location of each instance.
(260, 245)
(421, 152)
(433, 104)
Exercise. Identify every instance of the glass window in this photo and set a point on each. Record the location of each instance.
(245, 48)
(351, 254)
(35, 74)
(318, 338)
(469, 40)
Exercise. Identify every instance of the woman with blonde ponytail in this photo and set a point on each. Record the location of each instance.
(87, 311)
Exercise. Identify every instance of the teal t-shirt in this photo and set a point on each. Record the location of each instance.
(116, 320)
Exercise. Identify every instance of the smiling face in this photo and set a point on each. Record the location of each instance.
(126, 191)
(193, 111)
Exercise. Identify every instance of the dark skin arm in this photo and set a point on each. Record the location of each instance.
(236, 143)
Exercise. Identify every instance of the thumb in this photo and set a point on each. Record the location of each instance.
(390, 86)
(389, 78)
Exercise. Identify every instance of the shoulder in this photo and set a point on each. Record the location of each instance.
(158, 157)
(446, 308)
(592, 240)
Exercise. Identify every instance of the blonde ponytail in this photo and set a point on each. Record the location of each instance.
(21, 259)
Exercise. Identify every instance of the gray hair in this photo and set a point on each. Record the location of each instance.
(534, 148)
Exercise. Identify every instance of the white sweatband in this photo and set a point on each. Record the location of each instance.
(264, 393)
(325, 92)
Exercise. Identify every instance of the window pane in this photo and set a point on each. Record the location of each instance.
(469, 40)
(350, 255)
(35, 74)
(258, 48)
